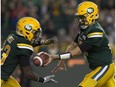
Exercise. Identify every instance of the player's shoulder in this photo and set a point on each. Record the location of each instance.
(24, 44)
(96, 27)
(95, 31)
(18, 38)
(21, 42)
(11, 39)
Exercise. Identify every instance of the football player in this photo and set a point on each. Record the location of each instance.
(18, 48)
(93, 42)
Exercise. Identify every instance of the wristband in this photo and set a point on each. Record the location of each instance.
(40, 79)
(65, 56)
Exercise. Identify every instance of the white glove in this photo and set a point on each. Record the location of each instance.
(49, 78)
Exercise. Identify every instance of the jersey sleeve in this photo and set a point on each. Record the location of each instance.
(94, 38)
(24, 49)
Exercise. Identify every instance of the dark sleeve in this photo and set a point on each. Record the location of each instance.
(24, 61)
(95, 37)
(85, 47)
(36, 43)
(96, 41)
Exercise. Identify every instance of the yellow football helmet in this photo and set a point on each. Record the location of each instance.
(89, 11)
(29, 28)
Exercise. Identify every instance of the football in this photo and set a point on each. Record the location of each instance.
(41, 59)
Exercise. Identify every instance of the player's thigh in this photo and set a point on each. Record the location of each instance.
(88, 79)
(98, 77)
(11, 82)
(110, 83)
(106, 76)
(2, 82)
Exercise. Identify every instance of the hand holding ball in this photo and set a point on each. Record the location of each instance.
(41, 59)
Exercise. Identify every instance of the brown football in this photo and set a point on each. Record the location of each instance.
(40, 59)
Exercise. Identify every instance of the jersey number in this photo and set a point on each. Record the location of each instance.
(5, 54)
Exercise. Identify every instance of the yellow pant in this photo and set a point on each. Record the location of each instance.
(11, 82)
(100, 77)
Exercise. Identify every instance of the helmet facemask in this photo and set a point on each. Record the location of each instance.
(37, 36)
(81, 21)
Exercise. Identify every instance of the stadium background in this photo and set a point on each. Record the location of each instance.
(56, 19)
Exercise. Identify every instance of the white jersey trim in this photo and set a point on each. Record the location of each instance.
(24, 47)
(95, 36)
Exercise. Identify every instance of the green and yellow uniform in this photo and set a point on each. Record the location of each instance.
(14, 48)
(99, 57)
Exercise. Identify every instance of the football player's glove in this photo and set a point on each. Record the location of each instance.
(48, 41)
(41, 41)
(49, 78)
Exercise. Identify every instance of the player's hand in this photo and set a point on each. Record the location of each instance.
(61, 66)
(49, 79)
(49, 41)
(50, 59)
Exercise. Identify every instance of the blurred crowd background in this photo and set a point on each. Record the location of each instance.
(56, 19)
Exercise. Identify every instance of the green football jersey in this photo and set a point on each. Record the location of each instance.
(100, 53)
(14, 47)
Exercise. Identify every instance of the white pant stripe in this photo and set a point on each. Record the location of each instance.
(101, 73)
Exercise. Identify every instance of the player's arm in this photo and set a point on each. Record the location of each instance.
(71, 47)
(75, 52)
(28, 73)
(61, 64)
(43, 42)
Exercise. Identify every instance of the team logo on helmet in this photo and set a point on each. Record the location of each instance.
(90, 10)
(28, 27)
